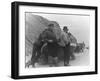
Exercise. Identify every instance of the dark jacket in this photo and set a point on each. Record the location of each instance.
(48, 34)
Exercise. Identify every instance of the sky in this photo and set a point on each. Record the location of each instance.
(78, 25)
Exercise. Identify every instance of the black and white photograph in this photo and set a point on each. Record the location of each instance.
(54, 40)
(51, 40)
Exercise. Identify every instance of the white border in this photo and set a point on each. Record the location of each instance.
(71, 69)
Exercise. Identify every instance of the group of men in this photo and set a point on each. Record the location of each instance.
(48, 44)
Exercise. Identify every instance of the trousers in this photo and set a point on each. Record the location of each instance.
(66, 54)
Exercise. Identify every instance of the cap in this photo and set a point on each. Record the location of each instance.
(65, 28)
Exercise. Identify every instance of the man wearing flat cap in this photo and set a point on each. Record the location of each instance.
(68, 50)
(48, 36)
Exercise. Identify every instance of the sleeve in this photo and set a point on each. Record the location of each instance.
(43, 35)
(65, 38)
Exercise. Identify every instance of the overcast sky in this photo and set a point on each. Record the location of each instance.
(78, 24)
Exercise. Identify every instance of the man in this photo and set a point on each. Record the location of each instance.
(49, 37)
(68, 50)
(45, 45)
(48, 34)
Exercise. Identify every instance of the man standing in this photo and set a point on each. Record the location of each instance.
(52, 45)
(68, 50)
(47, 36)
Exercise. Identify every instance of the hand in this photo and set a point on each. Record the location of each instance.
(50, 40)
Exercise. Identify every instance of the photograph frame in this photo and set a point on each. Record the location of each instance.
(15, 39)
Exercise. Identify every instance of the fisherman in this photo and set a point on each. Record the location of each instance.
(46, 37)
(66, 47)
(51, 48)
(69, 49)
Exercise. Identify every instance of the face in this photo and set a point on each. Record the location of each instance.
(65, 30)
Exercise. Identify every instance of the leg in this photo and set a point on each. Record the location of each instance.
(35, 56)
(45, 54)
(66, 55)
(46, 58)
(36, 52)
(56, 61)
(50, 61)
